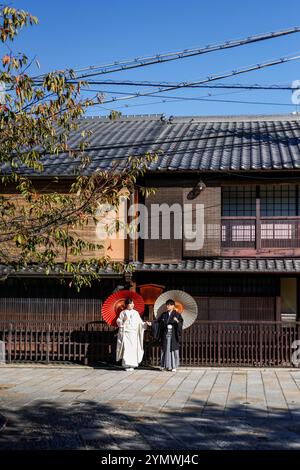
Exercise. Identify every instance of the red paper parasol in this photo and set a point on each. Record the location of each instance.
(115, 303)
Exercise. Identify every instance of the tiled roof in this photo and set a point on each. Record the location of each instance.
(234, 143)
(266, 265)
(36, 270)
(250, 265)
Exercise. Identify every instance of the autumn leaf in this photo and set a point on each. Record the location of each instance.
(5, 60)
(45, 225)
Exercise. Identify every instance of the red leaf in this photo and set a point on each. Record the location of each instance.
(5, 59)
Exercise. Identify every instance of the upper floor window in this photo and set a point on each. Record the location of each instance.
(278, 200)
(238, 200)
(275, 200)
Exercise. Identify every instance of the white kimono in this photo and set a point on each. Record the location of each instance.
(130, 338)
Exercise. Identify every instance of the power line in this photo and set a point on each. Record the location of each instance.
(127, 64)
(202, 81)
(209, 78)
(164, 101)
(159, 58)
(192, 98)
(127, 93)
(207, 97)
(95, 100)
(197, 82)
(171, 84)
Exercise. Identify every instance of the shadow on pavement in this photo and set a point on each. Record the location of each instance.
(87, 424)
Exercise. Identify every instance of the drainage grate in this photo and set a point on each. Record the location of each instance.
(73, 390)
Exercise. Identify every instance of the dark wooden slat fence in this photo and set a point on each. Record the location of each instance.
(257, 344)
(67, 341)
(49, 309)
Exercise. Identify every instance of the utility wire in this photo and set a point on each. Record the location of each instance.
(197, 82)
(171, 84)
(201, 81)
(168, 99)
(207, 97)
(159, 58)
(209, 78)
(170, 56)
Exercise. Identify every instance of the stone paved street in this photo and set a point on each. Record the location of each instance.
(70, 407)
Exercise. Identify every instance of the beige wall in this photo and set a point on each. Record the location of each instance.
(113, 246)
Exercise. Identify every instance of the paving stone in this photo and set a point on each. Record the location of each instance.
(217, 408)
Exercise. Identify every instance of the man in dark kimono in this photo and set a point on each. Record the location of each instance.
(168, 329)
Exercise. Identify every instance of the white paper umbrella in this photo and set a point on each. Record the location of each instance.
(184, 303)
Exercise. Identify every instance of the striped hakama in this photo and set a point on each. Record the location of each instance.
(169, 359)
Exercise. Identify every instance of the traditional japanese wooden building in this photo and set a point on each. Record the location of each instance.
(245, 171)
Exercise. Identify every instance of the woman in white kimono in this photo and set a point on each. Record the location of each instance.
(130, 336)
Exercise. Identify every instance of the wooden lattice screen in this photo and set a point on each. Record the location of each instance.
(162, 250)
(210, 198)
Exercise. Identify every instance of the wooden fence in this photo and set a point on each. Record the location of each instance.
(257, 344)
(51, 310)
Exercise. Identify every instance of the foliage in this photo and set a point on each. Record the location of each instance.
(40, 225)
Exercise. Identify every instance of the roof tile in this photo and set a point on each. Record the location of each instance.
(226, 265)
(236, 143)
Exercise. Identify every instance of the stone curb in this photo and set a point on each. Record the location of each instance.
(113, 368)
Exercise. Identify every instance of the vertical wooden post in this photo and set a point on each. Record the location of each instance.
(48, 343)
(131, 242)
(278, 308)
(258, 223)
(261, 328)
(9, 341)
(151, 312)
(298, 298)
(298, 337)
(219, 344)
(86, 344)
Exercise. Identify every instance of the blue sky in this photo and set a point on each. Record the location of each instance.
(76, 34)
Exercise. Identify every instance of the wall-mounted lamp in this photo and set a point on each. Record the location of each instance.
(200, 186)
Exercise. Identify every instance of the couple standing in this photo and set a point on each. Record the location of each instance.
(167, 329)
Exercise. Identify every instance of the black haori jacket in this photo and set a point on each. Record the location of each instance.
(160, 328)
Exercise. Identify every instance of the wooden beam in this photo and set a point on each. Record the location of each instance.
(278, 308)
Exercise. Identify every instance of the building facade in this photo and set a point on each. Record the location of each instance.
(244, 174)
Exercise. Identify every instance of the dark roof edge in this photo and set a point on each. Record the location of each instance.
(235, 265)
(199, 118)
